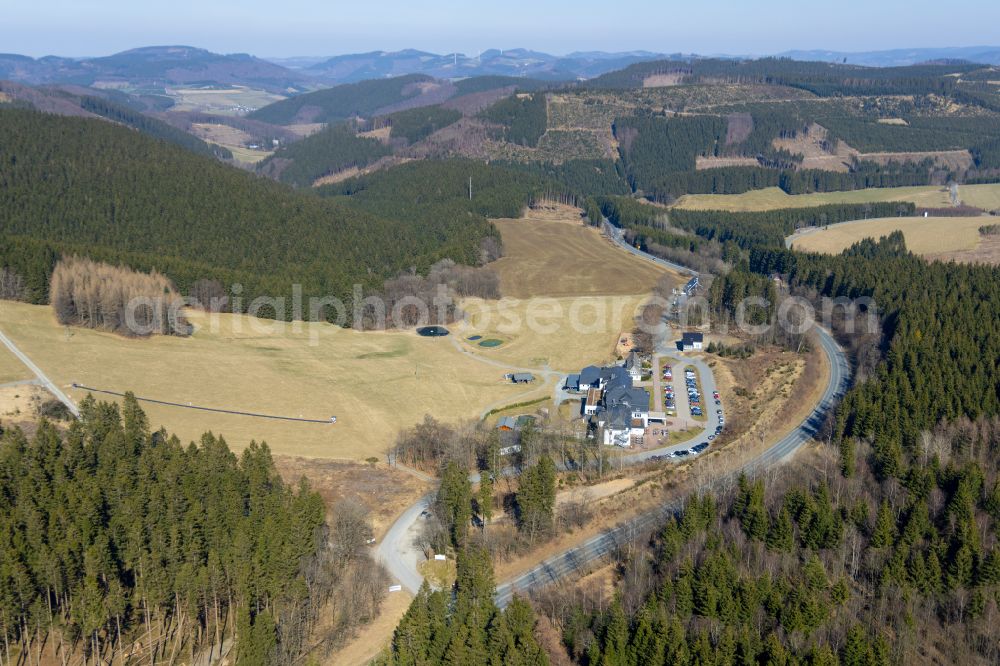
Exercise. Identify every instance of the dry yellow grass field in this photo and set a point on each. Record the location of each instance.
(551, 252)
(986, 197)
(236, 140)
(227, 101)
(11, 368)
(248, 155)
(579, 289)
(375, 383)
(770, 198)
(561, 333)
(924, 235)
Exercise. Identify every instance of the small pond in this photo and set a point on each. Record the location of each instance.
(432, 331)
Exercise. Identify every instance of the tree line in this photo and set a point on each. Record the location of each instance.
(769, 228)
(95, 295)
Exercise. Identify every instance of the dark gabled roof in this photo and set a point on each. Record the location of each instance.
(619, 417)
(692, 337)
(616, 374)
(573, 381)
(639, 399)
(590, 374)
(523, 377)
(615, 395)
(628, 397)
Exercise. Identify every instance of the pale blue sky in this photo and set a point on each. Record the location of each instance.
(315, 27)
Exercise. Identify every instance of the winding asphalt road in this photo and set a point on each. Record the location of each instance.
(603, 544)
(397, 553)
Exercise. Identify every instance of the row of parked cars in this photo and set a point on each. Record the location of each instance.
(694, 397)
(698, 448)
(669, 402)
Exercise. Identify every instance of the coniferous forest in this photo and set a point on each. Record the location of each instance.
(73, 185)
(881, 548)
(117, 540)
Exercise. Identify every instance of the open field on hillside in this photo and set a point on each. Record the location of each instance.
(232, 138)
(375, 383)
(305, 129)
(11, 368)
(562, 333)
(236, 100)
(986, 197)
(924, 235)
(929, 196)
(663, 80)
(701, 163)
(580, 290)
(551, 252)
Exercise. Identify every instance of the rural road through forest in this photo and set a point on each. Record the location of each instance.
(605, 543)
(398, 554)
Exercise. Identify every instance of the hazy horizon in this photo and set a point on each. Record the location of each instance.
(307, 28)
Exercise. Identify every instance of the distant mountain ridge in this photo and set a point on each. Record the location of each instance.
(158, 66)
(492, 62)
(985, 55)
(154, 66)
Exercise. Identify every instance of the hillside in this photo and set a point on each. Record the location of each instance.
(513, 63)
(80, 185)
(326, 152)
(356, 99)
(154, 65)
(84, 102)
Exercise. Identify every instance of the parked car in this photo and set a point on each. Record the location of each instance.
(682, 453)
(698, 448)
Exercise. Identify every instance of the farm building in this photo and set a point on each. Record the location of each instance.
(691, 341)
(522, 378)
(572, 383)
(514, 424)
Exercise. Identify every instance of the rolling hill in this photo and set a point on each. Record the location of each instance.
(90, 103)
(155, 66)
(365, 98)
(79, 185)
(519, 63)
